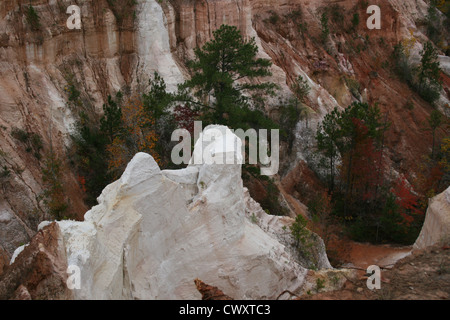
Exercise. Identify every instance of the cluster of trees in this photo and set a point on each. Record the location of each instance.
(374, 206)
(351, 144)
(102, 149)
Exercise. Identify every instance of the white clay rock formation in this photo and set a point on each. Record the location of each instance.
(154, 232)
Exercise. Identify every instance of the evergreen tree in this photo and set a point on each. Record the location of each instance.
(223, 70)
(434, 122)
(429, 74)
(111, 121)
(328, 133)
(429, 69)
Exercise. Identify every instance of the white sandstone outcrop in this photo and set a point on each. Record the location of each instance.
(153, 46)
(436, 227)
(147, 240)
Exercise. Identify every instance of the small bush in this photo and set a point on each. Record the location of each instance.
(32, 141)
(355, 21)
(325, 27)
(303, 240)
(337, 14)
(297, 17)
(353, 85)
(74, 94)
(5, 172)
(274, 18)
(320, 284)
(20, 135)
(33, 19)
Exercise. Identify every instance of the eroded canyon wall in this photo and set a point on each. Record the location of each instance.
(120, 45)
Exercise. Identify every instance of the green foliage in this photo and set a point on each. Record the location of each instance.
(301, 89)
(409, 105)
(401, 66)
(254, 218)
(327, 137)
(5, 173)
(435, 26)
(331, 16)
(157, 102)
(111, 122)
(90, 158)
(33, 18)
(353, 85)
(355, 21)
(299, 231)
(429, 74)
(71, 88)
(20, 135)
(31, 140)
(122, 10)
(337, 132)
(270, 203)
(303, 240)
(320, 284)
(53, 193)
(425, 79)
(74, 94)
(434, 121)
(290, 114)
(336, 13)
(372, 211)
(325, 27)
(274, 18)
(296, 16)
(216, 70)
(293, 110)
(387, 227)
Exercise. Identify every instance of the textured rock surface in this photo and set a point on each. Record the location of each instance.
(436, 228)
(146, 241)
(39, 272)
(209, 292)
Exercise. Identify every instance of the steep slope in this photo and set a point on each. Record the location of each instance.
(48, 75)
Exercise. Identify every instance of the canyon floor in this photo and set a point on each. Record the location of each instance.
(423, 275)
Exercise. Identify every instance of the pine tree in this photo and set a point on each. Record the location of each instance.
(223, 69)
(111, 121)
(429, 74)
(430, 67)
(328, 133)
(434, 122)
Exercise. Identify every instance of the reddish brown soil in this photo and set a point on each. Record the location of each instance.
(423, 275)
(362, 255)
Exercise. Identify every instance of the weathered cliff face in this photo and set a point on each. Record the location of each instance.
(150, 236)
(114, 50)
(39, 272)
(119, 47)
